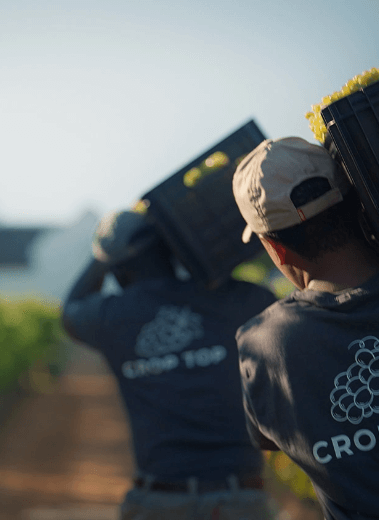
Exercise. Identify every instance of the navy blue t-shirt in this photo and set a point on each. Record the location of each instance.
(171, 346)
(310, 372)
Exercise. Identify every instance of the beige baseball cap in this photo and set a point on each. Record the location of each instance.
(264, 180)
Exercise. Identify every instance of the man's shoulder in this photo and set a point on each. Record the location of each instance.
(281, 309)
(94, 309)
(280, 320)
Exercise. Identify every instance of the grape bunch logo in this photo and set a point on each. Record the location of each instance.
(172, 330)
(356, 392)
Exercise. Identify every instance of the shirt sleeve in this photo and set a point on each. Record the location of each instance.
(254, 375)
(251, 423)
(86, 319)
(256, 436)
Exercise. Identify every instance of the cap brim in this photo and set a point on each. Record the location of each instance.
(246, 235)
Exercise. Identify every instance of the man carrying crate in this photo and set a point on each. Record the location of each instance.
(310, 362)
(171, 346)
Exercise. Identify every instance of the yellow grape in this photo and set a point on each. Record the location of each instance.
(140, 207)
(191, 177)
(216, 160)
(316, 123)
(211, 164)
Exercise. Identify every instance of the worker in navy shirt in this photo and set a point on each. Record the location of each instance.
(170, 344)
(310, 362)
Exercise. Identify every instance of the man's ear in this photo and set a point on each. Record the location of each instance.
(285, 255)
(279, 249)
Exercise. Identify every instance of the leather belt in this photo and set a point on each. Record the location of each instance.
(182, 486)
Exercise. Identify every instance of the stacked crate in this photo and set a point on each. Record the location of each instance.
(352, 125)
(195, 211)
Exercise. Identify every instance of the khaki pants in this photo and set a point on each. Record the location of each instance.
(239, 504)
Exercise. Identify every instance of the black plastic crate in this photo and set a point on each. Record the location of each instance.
(353, 128)
(196, 213)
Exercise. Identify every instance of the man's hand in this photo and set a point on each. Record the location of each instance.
(111, 241)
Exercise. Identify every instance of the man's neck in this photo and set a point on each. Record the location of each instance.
(325, 286)
(350, 267)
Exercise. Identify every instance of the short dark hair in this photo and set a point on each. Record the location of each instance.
(154, 261)
(329, 230)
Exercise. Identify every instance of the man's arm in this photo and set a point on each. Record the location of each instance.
(256, 436)
(89, 283)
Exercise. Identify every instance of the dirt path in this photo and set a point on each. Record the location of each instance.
(67, 455)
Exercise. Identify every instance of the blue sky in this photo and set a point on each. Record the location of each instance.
(102, 100)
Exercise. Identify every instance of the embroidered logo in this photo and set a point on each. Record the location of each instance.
(172, 330)
(356, 392)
